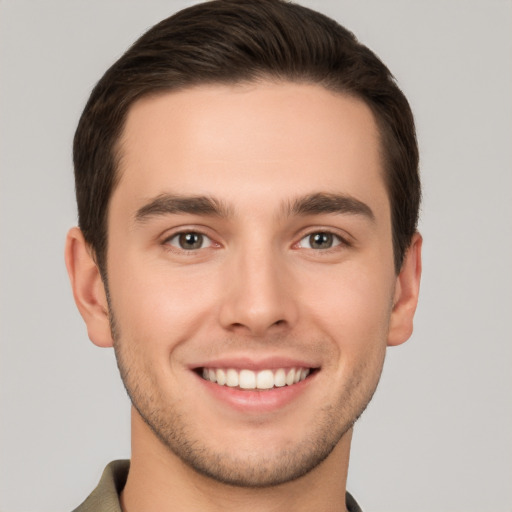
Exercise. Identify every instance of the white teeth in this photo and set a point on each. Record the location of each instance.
(280, 378)
(248, 379)
(232, 378)
(290, 377)
(221, 377)
(265, 379)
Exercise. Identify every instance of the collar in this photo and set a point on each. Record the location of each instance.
(105, 498)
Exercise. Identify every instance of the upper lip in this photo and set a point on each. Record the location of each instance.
(255, 364)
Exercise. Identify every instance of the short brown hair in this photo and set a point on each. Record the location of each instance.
(231, 41)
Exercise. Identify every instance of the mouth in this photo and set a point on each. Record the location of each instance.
(250, 380)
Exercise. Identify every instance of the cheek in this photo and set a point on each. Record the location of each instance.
(157, 306)
(353, 305)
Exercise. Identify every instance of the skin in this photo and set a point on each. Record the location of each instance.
(255, 289)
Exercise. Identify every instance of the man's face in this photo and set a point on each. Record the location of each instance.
(250, 243)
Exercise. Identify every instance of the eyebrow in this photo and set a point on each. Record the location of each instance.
(318, 203)
(312, 204)
(167, 204)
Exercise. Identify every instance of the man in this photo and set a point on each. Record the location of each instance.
(248, 194)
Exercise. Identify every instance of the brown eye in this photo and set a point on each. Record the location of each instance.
(190, 241)
(320, 240)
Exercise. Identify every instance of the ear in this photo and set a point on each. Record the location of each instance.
(406, 294)
(88, 288)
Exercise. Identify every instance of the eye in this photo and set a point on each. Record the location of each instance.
(189, 241)
(320, 240)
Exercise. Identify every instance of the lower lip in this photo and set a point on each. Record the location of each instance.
(257, 401)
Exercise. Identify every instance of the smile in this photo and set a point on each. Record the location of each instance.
(249, 379)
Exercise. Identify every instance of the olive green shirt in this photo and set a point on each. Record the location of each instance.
(105, 498)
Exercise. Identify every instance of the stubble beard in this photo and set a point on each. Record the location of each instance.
(255, 471)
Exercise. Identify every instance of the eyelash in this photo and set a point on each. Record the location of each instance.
(336, 237)
(169, 245)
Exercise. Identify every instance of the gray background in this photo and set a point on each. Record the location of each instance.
(438, 435)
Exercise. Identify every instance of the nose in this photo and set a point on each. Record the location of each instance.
(258, 296)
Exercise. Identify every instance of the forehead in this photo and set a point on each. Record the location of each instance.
(231, 140)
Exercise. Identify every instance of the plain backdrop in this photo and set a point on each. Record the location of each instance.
(438, 434)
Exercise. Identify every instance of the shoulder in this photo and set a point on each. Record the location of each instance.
(105, 497)
(352, 505)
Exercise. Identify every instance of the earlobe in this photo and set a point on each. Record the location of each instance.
(88, 288)
(406, 294)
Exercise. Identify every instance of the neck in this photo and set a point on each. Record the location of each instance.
(158, 480)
